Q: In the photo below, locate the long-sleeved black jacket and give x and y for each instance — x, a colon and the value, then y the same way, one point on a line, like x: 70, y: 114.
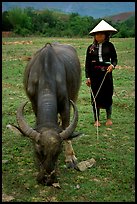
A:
x: 92, y: 56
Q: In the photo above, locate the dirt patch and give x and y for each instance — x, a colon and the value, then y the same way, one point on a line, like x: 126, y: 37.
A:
x: 18, y: 42
x: 7, y: 198
x: 7, y: 85
x: 123, y: 67
x: 7, y: 34
x: 24, y: 58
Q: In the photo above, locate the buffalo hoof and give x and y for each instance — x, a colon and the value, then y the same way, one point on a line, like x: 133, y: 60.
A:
x: 71, y: 164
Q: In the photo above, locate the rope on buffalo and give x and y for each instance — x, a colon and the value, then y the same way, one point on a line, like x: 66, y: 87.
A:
x: 94, y: 97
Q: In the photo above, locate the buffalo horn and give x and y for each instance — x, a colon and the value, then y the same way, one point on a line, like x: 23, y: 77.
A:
x: 65, y: 134
x: 28, y: 131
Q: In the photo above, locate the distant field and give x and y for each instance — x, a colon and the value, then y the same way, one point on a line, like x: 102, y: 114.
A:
x: 112, y: 179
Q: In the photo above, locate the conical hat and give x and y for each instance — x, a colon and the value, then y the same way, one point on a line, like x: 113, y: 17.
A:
x: 103, y: 26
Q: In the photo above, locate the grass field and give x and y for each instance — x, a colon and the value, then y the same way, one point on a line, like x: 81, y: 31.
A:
x: 112, y: 179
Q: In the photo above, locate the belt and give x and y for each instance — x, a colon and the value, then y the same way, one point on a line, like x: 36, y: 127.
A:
x: 102, y: 68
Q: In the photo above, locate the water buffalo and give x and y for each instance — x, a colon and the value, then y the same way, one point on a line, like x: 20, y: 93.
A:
x: 51, y: 80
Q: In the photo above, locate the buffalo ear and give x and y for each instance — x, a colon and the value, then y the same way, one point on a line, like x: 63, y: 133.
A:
x: 74, y: 134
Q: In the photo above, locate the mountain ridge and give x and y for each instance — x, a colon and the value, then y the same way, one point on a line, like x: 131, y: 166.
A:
x: 120, y: 17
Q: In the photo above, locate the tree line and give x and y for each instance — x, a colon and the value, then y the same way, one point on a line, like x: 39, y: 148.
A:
x: 51, y: 23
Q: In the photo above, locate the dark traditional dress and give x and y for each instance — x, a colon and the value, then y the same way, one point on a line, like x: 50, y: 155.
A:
x: 98, y: 58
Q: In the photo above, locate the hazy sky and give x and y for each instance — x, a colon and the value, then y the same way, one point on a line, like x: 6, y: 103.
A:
x: 94, y: 9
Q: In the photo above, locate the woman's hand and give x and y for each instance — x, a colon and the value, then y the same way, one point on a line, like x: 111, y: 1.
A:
x: 88, y: 82
x: 110, y: 68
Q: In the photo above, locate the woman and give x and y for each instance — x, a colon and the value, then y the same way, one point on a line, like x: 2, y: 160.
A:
x: 101, y: 59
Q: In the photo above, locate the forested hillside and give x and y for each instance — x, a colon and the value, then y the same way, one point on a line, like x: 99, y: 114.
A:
x: 26, y: 22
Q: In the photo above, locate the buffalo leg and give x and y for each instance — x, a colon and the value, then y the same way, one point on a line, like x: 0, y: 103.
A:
x: 70, y: 158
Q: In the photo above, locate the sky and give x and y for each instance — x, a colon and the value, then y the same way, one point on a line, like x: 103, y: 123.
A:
x: 94, y: 9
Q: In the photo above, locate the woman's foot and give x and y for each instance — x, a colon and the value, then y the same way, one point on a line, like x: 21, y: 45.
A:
x: 97, y: 124
x: 109, y: 122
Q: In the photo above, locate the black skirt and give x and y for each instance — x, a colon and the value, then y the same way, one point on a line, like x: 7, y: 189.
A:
x: 104, y: 97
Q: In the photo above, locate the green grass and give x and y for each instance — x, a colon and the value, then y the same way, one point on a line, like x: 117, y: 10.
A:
x: 112, y: 178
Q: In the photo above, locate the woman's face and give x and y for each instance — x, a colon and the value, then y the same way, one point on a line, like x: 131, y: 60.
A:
x: 100, y: 37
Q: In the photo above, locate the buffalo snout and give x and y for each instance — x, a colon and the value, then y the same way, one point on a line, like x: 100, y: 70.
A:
x: 47, y: 179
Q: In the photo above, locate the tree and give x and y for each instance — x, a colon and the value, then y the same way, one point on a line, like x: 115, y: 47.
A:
x: 19, y: 20
x: 51, y: 23
x: 6, y: 24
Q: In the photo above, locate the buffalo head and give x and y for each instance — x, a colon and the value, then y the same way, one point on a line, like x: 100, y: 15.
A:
x: 47, y: 143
